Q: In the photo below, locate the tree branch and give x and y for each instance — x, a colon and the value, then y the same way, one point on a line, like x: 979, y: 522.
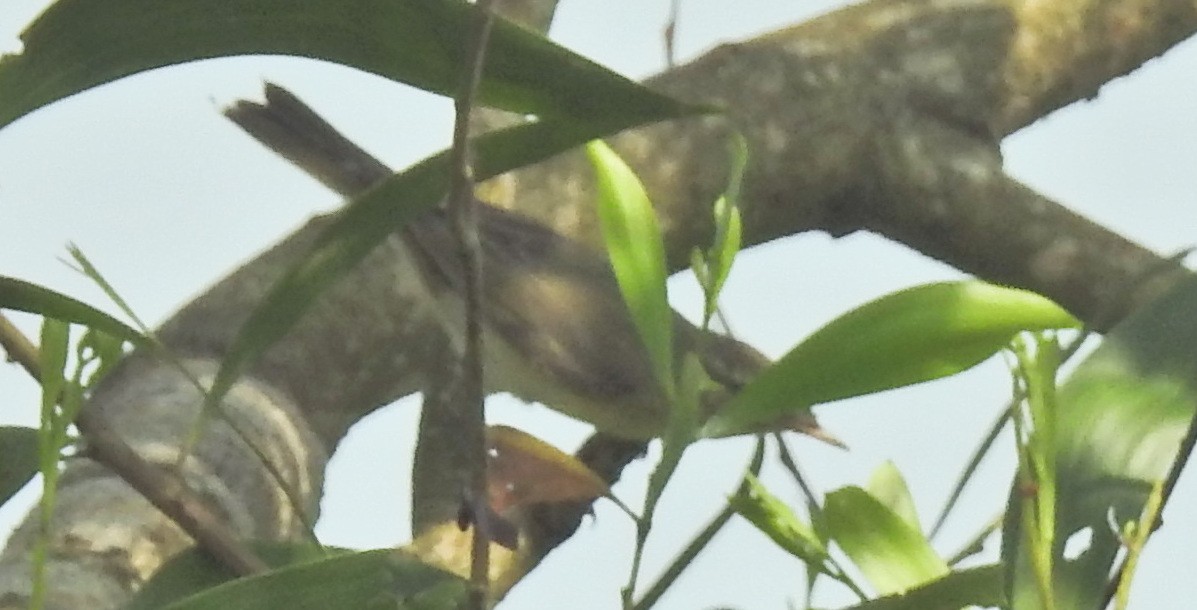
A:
x: 855, y: 120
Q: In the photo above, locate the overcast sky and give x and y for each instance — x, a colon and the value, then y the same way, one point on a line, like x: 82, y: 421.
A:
x: 166, y: 197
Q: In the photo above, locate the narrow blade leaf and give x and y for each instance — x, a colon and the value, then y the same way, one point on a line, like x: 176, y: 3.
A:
x: 907, y: 337
x: 637, y: 251
x: 24, y: 296
x: 372, y: 579
x: 78, y: 44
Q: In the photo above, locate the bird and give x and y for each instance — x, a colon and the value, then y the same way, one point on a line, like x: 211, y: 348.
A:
x: 556, y: 329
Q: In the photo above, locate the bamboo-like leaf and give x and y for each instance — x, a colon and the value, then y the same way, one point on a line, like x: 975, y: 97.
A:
x: 907, y: 337
x: 78, y: 44
x: 637, y: 251
x: 893, y: 555
x: 24, y: 296
x: 372, y: 579
x: 195, y: 570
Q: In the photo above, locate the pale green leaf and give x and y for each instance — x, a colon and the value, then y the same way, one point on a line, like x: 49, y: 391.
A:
x: 633, y: 240
x: 889, y: 487
x: 914, y: 335
x: 892, y: 555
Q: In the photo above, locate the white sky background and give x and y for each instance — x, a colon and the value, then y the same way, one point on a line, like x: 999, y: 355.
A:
x: 166, y: 196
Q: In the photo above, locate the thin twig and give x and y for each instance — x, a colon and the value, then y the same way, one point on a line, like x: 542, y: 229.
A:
x: 461, y: 206
x: 791, y: 465
x: 700, y: 541
x: 19, y: 348
x: 671, y: 34
x: 976, y: 544
x: 166, y: 492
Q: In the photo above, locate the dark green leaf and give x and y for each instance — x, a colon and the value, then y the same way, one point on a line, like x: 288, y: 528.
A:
x: 78, y: 44
x: 194, y: 570
x: 891, y: 554
x: 972, y: 587
x: 907, y: 337
x: 18, y: 459
x: 1122, y: 415
x: 372, y: 579
x: 20, y: 295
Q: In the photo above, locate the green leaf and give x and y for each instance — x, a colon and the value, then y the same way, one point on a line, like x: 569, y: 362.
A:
x: 711, y: 270
x: 78, y: 44
x: 889, y: 487
x: 194, y: 570
x: 728, y: 227
x: 382, y: 578
x: 981, y: 586
x: 18, y: 459
x: 637, y: 251
x: 773, y: 518
x: 20, y: 295
x: 101, y: 352
x: 904, y: 338
x: 93, y: 273
x: 893, y: 555
x: 1121, y: 417
x: 1035, y: 427
x: 53, y: 349
x: 52, y: 360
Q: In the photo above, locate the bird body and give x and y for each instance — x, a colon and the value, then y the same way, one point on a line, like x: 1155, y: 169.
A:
x: 559, y: 333
x: 556, y: 329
